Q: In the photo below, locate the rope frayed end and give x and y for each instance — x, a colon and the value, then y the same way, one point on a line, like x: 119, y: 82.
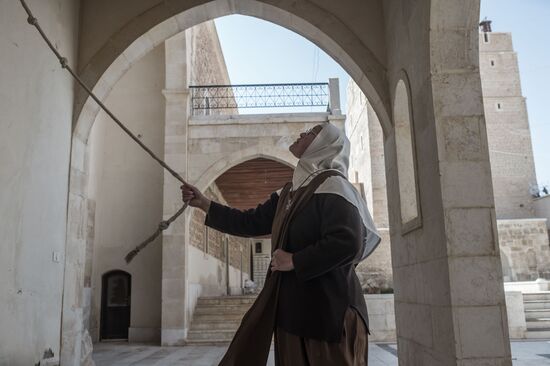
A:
x: 131, y: 255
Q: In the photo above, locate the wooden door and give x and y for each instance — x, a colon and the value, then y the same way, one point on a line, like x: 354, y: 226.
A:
x: 115, y: 305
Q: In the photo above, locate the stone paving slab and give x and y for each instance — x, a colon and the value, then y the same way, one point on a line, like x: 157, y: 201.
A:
x: 524, y: 353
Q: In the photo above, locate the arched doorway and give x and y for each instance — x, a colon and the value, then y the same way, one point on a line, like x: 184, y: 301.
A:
x: 115, y: 304
x: 435, y: 42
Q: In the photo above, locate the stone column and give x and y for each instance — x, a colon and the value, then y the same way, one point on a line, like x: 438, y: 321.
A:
x: 334, y: 96
x: 174, y: 243
x: 449, y: 296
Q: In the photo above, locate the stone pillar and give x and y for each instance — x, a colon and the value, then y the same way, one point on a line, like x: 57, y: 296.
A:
x: 449, y: 297
x: 174, y: 243
x: 334, y: 96
x: 475, y: 288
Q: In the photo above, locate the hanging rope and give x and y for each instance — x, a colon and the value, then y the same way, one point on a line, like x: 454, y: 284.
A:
x: 163, y: 225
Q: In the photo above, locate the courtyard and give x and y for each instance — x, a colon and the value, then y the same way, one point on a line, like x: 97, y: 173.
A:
x: 524, y: 353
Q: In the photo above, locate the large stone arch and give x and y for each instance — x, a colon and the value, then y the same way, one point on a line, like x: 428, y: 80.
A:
x: 444, y: 315
x: 102, y: 69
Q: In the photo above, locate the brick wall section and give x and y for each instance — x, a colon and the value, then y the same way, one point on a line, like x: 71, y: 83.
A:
x: 524, y: 249
x: 197, y: 230
x: 207, y: 62
x: 199, y: 233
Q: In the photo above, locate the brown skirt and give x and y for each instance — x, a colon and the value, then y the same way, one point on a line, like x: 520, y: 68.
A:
x: 292, y: 350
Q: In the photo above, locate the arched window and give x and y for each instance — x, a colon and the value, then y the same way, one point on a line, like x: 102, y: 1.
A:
x: 406, y: 159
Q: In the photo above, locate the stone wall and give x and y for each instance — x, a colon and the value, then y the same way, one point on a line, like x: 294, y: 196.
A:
x: 199, y: 233
x: 524, y: 249
x: 206, y: 61
x: 126, y: 186
x: 208, y: 274
x: 510, y: 149
x: 542, y: 209
x: 382, y: 316
x: 367, y: 167
x: 36, y: 110
x: 508, y: 133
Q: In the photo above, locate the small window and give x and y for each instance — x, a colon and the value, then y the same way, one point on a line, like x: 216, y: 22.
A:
x: 492, y: 62
x: 258, y: 249
x: 499, y: 106
x: 486, y: 37
x: 362, y: 144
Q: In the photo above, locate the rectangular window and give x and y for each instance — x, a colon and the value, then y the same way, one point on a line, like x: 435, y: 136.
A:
x: 499, y: 106
x: 492, y: 62
x: 258, y: 248
x: 486, y: 37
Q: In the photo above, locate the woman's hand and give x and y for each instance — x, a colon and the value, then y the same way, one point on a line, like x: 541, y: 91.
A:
x: 194, y: 197
x: 281, y: 261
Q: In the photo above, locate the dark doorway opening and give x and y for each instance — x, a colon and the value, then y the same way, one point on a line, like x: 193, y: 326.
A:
x: 115, y: 305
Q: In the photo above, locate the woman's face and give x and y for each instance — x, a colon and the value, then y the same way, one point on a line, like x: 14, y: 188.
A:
x: 306, y: 138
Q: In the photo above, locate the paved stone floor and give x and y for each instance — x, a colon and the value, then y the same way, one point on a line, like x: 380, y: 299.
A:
x: 534, y: 353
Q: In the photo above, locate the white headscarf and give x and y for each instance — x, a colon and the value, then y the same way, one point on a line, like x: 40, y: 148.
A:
x: 330, y: 151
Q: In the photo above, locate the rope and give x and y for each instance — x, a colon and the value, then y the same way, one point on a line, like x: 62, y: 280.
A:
x: 163, y: 225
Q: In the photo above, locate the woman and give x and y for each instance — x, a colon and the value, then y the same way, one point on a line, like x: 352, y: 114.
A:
x: 321, y: 229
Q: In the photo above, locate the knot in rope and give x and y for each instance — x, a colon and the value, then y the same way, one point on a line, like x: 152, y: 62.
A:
x: 164, y: 225
x: 32, y: 20
x: 63, y: 61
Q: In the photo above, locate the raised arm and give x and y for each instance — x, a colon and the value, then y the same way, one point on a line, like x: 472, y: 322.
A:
x: 249, y: 223
x: 253, y: 222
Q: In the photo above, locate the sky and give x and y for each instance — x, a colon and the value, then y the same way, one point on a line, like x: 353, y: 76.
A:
x: 259, y: 52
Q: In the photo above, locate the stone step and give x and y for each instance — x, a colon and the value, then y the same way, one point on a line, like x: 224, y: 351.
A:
x: 536, y: 304
x: 543, y: 295
x: 226, y: 300
x: 538, y: 323
x: 219, y: 324
x: 536, y: 314
x: 210, y: 310
x: 211, y: 342
x: 540, y: 333
x: 199, y: 318
x: 209, y: 335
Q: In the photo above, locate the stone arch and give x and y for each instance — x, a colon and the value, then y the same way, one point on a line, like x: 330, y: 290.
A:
x: 222, y: 165
x: 134, y: 39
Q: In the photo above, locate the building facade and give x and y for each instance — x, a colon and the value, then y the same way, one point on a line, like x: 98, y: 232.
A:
x: 424, y: 52
x: 523, y: 239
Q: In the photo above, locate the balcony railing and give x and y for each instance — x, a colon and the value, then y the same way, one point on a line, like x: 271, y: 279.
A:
x: 208, y: 97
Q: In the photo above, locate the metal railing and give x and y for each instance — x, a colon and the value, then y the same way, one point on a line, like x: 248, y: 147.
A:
x: 208, y: 97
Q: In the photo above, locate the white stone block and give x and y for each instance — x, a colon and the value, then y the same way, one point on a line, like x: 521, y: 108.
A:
x: 516, y: 314
x: 476, y: 281
x: 139, y: 48
x: 161, y: 32
x: 173, y: 336
x: 480, y: 332
x: 470, y: 232
x: 458, y: 180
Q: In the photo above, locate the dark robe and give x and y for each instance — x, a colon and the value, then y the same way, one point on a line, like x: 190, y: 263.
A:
x: 325, y: 234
